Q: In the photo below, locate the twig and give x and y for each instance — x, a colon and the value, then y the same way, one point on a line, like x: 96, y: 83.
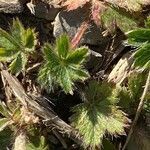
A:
x: 139, y: 109
x: 34, y: 67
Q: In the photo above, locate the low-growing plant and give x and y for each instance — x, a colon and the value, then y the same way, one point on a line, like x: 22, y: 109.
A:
x: 17, y: 45
x: 63, y: 65
x: 22, y: 123
x: 99, y: 114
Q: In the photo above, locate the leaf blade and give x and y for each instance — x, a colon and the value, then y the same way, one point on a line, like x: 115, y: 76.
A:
x: 78, y: 56
x: 63, y: 45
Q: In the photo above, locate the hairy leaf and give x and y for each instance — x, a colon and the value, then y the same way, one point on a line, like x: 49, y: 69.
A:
x: 7, y: 55
x: 142, y: 56
x: 141, y: 38
x: 8, y: 39
x: 62, y: 67
x: 18, y: 63
x: 17, y: 29
x: 130, y: 94
x: 138, y: 36
x: 136, y: 81
x: 98, y: 114
x: 63, y: 46
x: 76, y: 57
x: 17, y: 45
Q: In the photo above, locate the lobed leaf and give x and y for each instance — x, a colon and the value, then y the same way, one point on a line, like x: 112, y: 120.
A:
x: 26, y: 37
x: 62, y: 67
x: 98, y: 115
x: 17, y: 45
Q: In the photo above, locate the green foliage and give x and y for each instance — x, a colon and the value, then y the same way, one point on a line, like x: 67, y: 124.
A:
x: 141, y: 38
x: 5, y: 121
x: 138, y: 36
x: 130, y: 94
x: 13, y: 115
x: 142, y: 56
x: 111, y: 15
x: 5, y: 138
x: 98, y: 114
x: 62, y: 66
x: 16, y: 46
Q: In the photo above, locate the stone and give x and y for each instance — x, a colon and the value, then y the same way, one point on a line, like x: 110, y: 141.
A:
x: 69, y: 22
x: 45, y: 10
x: 11, y: 6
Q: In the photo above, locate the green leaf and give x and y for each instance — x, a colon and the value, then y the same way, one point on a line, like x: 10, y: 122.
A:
x: 65, y: 81
x: 112, y: 15
x: 7, y: 44
x: 7, y: 38
x: 136, y: 81
x: 62, y: 46
x: 76, y: 57
x: 17, y: 45
x: 138, y: 36
x: 5, y: 138
x: 7, y: 55
x: 50, y: 55
x: 130, y: 94
x: 29, y: 39
x: 4, y: 122
x: 25, y: 36
x: 17, y: 29
x: 18, y: 63
x: 78, y: 74
x: 58, y: 71
x: 98, y: 114
x: 142, y: 56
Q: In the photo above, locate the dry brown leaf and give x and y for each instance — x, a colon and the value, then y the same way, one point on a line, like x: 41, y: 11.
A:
x: 74, y: 4
x: 122, y: 69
